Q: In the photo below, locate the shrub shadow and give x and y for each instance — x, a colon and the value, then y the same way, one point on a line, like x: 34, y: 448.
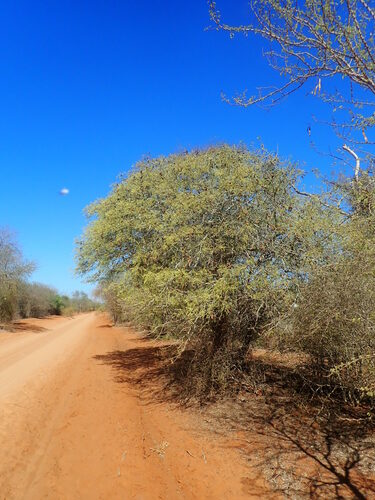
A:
x: 22, y: 326
x: 302, y: 450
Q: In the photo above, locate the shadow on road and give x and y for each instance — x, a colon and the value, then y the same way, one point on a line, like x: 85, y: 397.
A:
x: 22, y: 326
x: 302, y: 452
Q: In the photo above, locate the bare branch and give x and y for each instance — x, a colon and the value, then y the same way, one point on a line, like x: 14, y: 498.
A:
x: 313, y: 41
x: 357, y: 160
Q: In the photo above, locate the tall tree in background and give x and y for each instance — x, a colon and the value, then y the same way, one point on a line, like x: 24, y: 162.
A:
x: 314, y: 41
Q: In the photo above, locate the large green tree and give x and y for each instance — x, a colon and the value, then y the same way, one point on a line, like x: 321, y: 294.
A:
x: 213, y: 242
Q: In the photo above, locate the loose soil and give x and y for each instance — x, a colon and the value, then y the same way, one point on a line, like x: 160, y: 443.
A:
x: 74, y: 424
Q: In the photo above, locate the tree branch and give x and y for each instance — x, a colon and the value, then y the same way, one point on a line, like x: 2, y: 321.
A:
x: 357, y: 160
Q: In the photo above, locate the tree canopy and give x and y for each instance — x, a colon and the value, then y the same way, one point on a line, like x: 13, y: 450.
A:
x: 214, y: 241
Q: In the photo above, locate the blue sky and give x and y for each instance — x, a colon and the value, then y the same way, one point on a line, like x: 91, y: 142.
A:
x: 87, y: 88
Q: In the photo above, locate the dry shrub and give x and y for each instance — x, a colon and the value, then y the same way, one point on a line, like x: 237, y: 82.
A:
x: 205, y: 374
x: 335, y: 325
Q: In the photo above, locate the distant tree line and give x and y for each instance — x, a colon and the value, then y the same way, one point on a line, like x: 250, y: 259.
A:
x: 20, y: 298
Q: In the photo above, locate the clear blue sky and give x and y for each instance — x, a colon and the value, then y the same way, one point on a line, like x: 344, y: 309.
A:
x: 89, y: 87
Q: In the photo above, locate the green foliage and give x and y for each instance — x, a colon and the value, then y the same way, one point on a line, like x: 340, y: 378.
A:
x: 313, y: 42
x: 57, y: 305
x: 19, y: 298
x: 209, y: 247
x: 68, y: 306
x: 335, y: 321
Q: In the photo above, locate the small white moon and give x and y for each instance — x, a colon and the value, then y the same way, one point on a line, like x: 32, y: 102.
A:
x: 64, y: 191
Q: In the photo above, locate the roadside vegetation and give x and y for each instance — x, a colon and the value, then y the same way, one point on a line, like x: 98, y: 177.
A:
x: 20, y: 298
x: 219, y: 250
x: 224, y: 252
x: 327, y: 48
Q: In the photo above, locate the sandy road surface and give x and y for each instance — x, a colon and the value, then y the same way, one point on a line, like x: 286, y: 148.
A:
x: 70, y: 430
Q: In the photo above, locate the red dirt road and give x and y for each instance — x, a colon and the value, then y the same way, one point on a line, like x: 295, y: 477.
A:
x: 69, y: 430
